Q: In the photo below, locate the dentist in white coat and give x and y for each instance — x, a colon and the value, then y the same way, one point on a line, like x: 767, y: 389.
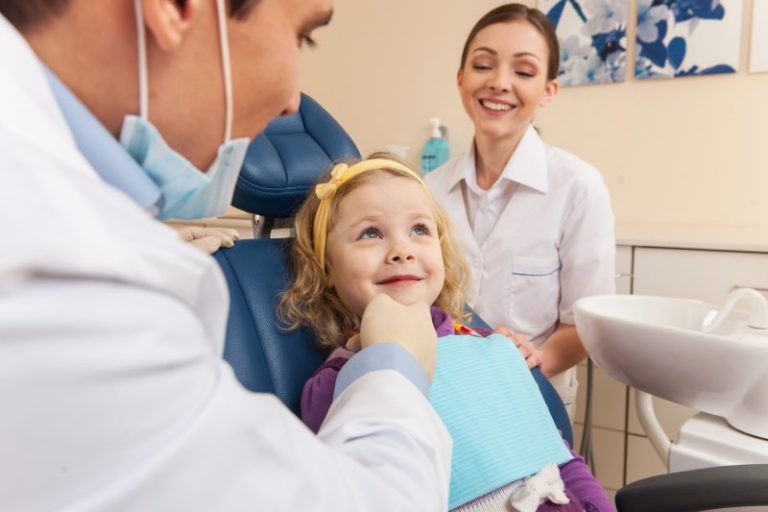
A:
x: 113, y: 393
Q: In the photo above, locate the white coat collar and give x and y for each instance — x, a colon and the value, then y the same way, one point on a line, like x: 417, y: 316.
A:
x: 527, y: 165
x: 36, y: 115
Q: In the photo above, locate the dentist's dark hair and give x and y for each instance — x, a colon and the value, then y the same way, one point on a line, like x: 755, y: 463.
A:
x: 518, y: 12
x: 29, y: 14
x: 26, y: 14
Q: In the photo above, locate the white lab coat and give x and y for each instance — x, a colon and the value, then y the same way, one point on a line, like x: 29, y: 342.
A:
x: 113, y: 393
x: 552, y: 244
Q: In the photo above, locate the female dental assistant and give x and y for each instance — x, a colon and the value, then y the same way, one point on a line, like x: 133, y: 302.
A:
x: 113, y: 393
x: 534, y: 221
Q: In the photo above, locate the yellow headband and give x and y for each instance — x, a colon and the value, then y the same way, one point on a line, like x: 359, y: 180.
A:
x: 325, y: 192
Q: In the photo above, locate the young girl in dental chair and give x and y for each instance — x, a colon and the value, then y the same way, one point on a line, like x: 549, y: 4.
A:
x: 374, y: 228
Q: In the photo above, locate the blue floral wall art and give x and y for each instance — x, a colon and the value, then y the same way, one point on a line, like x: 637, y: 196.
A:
x: 678, y: 38
x: 758, y: 54
x: 592, y: 35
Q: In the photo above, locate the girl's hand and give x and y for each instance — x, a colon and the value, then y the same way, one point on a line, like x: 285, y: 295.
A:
x: 533, y: 355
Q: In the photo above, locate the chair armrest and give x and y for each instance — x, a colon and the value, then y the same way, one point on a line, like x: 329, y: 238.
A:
x: 699, y: 489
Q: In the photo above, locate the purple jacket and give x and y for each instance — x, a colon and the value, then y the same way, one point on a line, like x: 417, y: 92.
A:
x: 317, y: 396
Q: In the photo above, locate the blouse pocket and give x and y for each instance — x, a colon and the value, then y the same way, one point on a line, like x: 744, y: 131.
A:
x: 533, y: 294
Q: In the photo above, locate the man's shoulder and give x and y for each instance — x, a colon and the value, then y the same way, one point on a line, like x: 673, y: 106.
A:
x: 59, y: 218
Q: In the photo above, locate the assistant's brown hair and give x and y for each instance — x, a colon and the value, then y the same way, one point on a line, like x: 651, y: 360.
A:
x: 518, y: 12
x: 309, y: 302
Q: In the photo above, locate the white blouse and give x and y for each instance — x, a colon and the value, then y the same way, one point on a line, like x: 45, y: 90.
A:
x: 540, y: 239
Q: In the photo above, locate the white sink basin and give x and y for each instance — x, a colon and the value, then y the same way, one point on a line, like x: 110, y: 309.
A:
x: 658, y: 345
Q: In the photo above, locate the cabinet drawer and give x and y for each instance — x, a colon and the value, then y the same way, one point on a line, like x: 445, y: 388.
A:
x: 694, y: 274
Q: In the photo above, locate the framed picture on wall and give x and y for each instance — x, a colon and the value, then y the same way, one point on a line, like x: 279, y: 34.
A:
x: 758, y: 53
x: 592, y: 35
x: 677, y: 38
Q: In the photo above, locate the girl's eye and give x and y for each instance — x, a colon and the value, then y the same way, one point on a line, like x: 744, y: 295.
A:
x: 420, y: 230
x: 526, y: 74
x: 370, y: 233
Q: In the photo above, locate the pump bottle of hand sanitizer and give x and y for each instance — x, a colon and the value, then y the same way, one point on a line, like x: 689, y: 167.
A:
x: 436, y: 151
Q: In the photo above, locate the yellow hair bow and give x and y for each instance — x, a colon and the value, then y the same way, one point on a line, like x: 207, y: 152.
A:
x: 329, y: 188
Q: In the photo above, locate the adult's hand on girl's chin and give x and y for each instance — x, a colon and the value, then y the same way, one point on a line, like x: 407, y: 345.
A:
x: 532, y: 354
x: 387, y: 321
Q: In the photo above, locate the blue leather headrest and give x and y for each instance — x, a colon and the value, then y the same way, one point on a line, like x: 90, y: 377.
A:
x: 287, y: 159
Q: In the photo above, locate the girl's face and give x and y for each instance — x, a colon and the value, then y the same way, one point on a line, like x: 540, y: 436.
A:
x: 385, y: 240
x: 504, y: 79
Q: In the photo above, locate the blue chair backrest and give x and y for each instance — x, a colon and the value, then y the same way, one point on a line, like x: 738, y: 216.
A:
x: 287, y: 159
x: 265, y: 357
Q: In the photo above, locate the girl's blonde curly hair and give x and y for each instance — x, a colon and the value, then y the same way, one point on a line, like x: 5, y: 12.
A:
x: 309, y: 302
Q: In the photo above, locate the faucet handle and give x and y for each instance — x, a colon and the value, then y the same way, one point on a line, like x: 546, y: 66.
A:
x: 758, y: 317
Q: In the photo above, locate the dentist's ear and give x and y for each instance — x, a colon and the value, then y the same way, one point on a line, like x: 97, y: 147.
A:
x: 169, y: 20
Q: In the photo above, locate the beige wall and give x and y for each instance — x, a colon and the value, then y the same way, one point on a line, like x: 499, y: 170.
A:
x: 691, y: 150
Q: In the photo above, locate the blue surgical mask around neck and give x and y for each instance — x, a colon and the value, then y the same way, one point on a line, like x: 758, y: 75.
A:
x: 188, y: 193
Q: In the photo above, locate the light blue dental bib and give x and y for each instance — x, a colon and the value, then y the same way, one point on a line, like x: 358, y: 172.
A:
x: 502, y: 430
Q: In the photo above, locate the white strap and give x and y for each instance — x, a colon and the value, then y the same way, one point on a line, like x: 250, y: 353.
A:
x: 143, y: 80
x: 226, y: 68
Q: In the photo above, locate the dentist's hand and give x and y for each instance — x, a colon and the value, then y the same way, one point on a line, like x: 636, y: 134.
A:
x: 532, y: 354
x: 388, y: 321
x: 209, y: 240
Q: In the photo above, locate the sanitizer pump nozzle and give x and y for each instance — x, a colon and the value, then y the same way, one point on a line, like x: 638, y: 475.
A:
x: 436, y: 128
x: 436, y: 151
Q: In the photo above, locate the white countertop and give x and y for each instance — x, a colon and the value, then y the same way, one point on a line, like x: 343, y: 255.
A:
x: 693, y: 236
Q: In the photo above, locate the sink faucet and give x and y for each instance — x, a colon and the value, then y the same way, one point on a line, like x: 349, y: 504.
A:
x: 758, y: 318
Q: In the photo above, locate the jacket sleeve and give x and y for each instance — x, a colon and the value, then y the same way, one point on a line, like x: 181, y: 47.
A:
x: 588, y: 247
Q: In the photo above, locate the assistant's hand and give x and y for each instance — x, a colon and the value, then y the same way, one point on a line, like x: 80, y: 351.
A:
x: 388, y: 321
x: 209, y: 240
x: 533, y: 355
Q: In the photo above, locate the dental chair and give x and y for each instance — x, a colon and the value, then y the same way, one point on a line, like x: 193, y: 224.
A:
x: 280, y: 168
